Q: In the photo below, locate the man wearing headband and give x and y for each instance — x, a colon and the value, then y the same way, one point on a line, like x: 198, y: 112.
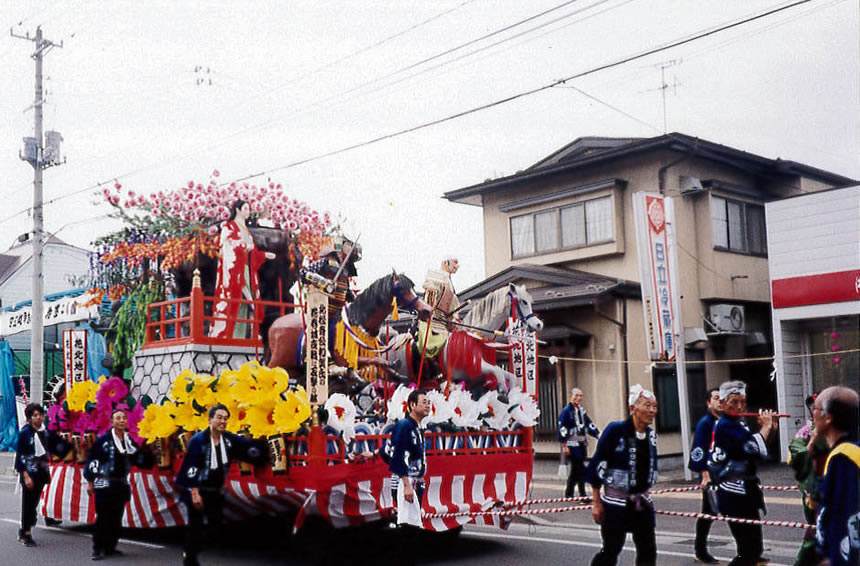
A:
x: 699, y: 463
x: 31, y: 463
x: 625, y: 464
x: 202, y: 474
x: 573, y: 424
x: 735, y: 453
x: 108, y: 464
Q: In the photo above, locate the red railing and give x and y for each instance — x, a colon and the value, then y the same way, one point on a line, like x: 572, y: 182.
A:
x: 461, y: 444
x: 189, y: 320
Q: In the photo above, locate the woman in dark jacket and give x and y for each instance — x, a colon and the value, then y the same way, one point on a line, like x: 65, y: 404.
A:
x: 35, y: 442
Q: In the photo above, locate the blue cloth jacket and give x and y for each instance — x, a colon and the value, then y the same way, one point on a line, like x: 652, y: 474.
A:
x: 107, y: 467
x: 25, y: 456
x: 613, y: 465
x: 405, y: 452
x: 733, y: 461
x: 194, y: 471
x: 573, y: 425
x: 702, y: 443
x: 838, y: 525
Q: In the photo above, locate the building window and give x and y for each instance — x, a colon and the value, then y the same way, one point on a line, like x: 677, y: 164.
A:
x: 582, y: 224
x: 738, y: 226
x: 668, y: 407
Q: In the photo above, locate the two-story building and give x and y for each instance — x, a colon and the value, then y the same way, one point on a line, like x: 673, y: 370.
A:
x: 564, y: 227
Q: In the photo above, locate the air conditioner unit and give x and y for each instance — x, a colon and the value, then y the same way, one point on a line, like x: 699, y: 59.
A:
x: 727, y: 318
x: 690, y: 185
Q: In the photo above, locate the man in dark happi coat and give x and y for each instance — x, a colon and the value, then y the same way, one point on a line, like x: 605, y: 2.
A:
x: 625, y: 465
x: 407, y: 461
x: 733, y: 465
x: 699, y: 463
x: 108, y: 465
x: 573, y: 425
x: 35, y: 442
x: 835, y: 412
x: 203, y: 472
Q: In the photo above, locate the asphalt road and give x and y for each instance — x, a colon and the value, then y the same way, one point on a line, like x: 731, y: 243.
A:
x: 569, y: 538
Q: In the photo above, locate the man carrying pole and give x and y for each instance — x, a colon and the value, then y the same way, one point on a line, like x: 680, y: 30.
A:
x: 735, y: 453
x: 699, y: 463
x: 625, y: 464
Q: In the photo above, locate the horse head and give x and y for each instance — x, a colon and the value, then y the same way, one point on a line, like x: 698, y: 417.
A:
x: 404, y: 291
x: 524, y: 302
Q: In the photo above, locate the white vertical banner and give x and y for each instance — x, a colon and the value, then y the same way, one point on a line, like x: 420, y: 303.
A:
x: 75, y: 356
x: 657, y: 244
x: 316, y: 346
x: 523, y: 356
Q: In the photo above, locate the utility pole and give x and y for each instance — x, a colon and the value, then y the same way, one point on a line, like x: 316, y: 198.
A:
x: 35, y: 153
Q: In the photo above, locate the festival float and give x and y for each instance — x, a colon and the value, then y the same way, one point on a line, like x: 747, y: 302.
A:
x: 321, y: 376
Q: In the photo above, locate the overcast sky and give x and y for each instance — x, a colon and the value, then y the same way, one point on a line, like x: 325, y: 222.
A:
x: 293, y: 80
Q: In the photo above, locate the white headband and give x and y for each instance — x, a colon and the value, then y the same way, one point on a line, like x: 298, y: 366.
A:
x: 638, y: 392
x: 731, y: 387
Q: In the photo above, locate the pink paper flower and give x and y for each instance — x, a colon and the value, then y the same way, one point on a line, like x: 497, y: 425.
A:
x: 111, y: 391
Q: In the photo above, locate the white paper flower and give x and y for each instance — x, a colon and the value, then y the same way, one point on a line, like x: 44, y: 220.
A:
x: 493, y: 412
x: 441, y: 410
x: 341, y: 415
x: 523, y: 408
x: 397, y: 407
x: 464, y: 408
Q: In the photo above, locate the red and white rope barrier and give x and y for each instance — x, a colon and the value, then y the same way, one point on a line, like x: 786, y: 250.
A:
x: 506, y: 513
x: 792, y: 524
x: 652, y: 492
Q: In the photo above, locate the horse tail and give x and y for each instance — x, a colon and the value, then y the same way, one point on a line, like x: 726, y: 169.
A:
x: 265, y: 325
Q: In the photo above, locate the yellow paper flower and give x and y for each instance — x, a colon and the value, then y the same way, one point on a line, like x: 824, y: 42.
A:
x: 260, y: 419
x: 79, y: 393
x: 156, y: 423
x: 179, y: 390
x: 289, y: 414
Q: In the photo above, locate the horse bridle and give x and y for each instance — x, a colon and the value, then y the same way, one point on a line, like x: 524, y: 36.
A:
x: 516, y: 303
x: 398, y: 294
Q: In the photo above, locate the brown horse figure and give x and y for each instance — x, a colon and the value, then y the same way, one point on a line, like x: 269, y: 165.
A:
x: 283, y: 339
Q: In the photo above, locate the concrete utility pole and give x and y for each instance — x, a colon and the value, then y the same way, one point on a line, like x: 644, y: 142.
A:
x: 34, y: 153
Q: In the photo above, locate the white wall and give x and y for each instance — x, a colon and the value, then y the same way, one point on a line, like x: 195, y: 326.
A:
x: 58, y: 262
x: 812, y: 234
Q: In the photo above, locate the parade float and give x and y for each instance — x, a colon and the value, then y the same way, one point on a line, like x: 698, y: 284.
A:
x: 337, y: 383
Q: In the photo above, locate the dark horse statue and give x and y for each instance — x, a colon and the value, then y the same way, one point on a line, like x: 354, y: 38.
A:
x: 283, y: 337
x: 277, y: 275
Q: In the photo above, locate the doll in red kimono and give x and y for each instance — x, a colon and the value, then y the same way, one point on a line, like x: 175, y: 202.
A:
x: 237, y: 275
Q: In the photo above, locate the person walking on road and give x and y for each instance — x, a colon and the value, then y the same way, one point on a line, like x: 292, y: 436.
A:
x: 734, y: 457
x: 835, y: 412
x: 108, y: 465
x: 203, y: 472
x: 573, y: 425
x: 35, y: 442
x: 699, y: 463
x: 625, y: 465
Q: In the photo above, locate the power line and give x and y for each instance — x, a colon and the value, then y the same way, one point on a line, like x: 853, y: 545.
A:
x: 620, y: 111
x: 499, y: 102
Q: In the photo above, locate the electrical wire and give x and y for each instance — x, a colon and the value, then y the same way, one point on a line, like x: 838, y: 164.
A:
x: 523, y: 94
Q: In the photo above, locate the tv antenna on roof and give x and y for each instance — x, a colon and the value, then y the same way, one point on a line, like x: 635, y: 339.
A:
x: 664, y: 86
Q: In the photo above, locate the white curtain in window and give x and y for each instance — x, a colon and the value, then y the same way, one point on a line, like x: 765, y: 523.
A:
x: 720, y: 222
x: 736, y: 226
x: 598, y: 219
x: 573, y: 226
x: 546, y: 230
x: 522, y: 235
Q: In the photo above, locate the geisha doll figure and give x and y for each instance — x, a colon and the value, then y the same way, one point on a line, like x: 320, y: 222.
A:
x: 237, y: 276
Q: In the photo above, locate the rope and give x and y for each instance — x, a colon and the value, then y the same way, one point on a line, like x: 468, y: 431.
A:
x: 653, y: 492
x: 791, y: 524
x: 694, y: 362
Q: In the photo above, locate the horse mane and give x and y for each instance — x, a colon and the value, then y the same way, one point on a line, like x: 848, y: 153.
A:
x: 377, y: 295
x: 488, y: 308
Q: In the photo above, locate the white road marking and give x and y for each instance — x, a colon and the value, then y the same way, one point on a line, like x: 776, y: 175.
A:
x: 591, y: 544
x: 85, y: 535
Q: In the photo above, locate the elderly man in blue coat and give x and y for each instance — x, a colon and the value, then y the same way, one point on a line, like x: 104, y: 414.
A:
x: 625, y: 466
x: 573, y: 426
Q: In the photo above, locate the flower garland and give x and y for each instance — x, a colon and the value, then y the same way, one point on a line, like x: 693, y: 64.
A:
x: 88, y: 406
x: 259, y: 399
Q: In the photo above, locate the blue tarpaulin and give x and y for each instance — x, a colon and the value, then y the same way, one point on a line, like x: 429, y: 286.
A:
x: 8, y: 416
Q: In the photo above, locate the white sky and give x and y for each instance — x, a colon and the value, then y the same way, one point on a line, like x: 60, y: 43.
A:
x: 291, y: 80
